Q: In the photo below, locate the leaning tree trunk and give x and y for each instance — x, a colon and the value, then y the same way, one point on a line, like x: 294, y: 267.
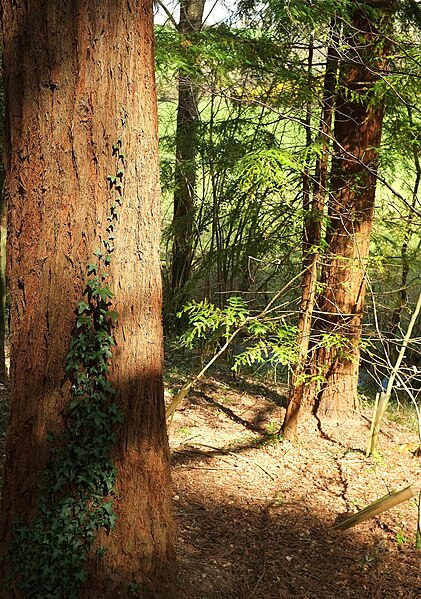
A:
x: 336, y: 332
x: 191, y: 16
x: 80, y: 95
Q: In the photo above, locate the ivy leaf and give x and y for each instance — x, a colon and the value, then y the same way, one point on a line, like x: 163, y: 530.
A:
x: 83, y: 307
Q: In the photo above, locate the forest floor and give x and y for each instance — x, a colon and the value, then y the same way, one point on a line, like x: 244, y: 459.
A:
x: 254, y: 515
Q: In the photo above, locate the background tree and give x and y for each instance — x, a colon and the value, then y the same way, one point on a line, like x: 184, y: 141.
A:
x: 246, y: 180
x: 80, y: 99
x: 277, y: 196
x: 191, y: 16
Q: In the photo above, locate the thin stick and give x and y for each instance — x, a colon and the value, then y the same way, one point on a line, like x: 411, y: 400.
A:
x: 384, y: 397
x: 178, y: 398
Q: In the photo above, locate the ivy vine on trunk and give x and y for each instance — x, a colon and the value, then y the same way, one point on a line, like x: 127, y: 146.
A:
x: 48, y: 557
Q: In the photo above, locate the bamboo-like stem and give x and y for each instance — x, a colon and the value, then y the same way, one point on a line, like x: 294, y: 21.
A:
x: 380, y: 505
x: 178, y: 398
x: 384, y: 397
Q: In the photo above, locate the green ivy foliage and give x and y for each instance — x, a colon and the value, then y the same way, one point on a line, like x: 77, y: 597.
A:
x: 48, y: 557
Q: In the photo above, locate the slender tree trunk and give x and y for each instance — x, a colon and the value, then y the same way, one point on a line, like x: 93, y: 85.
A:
x: 191, y: 16
x: 312, y: 231
x: 74, y: 72
x: 306, y: 173
x: 357, y: 132
x: 408, y: 231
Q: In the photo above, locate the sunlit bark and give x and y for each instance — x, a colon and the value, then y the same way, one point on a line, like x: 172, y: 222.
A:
x: 74, y: 70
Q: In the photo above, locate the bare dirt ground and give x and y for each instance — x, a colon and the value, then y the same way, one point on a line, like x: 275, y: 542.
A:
x: 254, y: 515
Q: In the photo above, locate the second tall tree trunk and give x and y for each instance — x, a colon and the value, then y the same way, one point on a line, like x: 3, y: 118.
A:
x: 331, y: 372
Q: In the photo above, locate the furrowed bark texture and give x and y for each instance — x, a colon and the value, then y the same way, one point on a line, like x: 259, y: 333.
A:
x: 357, y: 135
x: 73, y: 68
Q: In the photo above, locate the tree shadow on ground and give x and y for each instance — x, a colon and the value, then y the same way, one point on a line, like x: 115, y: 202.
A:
x: 240, y: 550
x: 256, y: 425
x: 271, y: 401
x: 269, y: 391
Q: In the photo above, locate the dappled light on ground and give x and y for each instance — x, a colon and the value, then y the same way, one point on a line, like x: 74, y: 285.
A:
x: 254, y: 515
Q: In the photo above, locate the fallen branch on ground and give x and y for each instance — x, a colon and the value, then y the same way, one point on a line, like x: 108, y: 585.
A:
x: 380, y: 505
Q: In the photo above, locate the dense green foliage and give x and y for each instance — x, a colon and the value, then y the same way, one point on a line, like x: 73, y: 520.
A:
x: 265, y: 339
x: 260, y: 101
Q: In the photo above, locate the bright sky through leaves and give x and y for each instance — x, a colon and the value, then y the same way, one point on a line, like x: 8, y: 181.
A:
x: 215, y: 11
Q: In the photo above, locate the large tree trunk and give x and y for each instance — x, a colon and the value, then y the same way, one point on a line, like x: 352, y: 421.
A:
x: 3, y: 283
x: 79, y: 76
x: 191, y: 16
x: 357, y: 134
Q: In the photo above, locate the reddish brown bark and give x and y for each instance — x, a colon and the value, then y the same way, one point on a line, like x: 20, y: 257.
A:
x: 357, y: 134
x: 72, y: 71
x: 312, y: 235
